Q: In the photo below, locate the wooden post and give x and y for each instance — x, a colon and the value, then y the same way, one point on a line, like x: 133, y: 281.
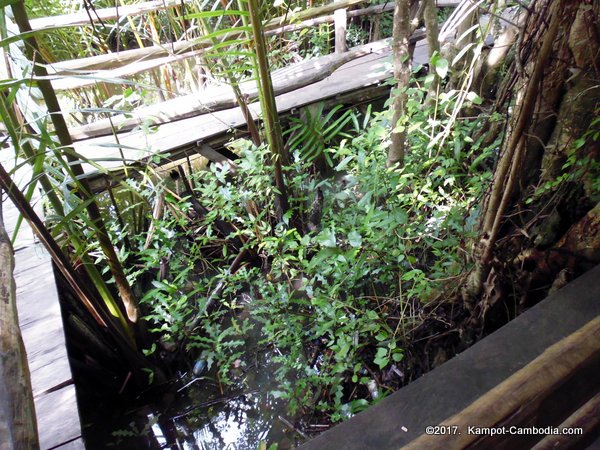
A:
x: 18, y: 426
x: 339, y: 20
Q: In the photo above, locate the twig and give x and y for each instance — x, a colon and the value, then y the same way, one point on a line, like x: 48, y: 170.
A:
x: 215, y: 401
x: 291, y: 426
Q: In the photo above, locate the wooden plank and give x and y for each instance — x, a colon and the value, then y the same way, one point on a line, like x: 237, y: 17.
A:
x: 104, y: 14
x: 58, y: 420
x: 427, y: 401
x: 222, y: 97
x: 113, y: 60
x: 40, y: 321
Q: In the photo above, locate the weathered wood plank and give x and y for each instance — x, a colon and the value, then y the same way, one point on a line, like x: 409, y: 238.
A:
x: 41, y: 325
x: 218, y: 98
x: 58, y: 420
x: 18, y: 427
x: 82, y: 17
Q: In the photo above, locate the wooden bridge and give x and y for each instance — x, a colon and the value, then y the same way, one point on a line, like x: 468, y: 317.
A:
x: 41, y: 325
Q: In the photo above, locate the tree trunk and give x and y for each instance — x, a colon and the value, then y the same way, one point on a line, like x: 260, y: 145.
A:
x: 402, y: 68
x: 18, y: 427
x: 552, y: 225
x: 431, y: 27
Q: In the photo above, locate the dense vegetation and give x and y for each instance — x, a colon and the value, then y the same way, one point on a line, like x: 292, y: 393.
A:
x: 358, y: 268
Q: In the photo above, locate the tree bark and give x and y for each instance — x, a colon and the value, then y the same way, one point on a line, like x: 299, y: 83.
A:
x: 510, y: 166
x: 433, y: 42
x: 402, y: 68
x: 18, y: 425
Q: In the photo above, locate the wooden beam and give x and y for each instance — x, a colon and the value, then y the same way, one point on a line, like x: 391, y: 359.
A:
x: 340, y: 20
x: 82, y: 17
x: 518, y: 395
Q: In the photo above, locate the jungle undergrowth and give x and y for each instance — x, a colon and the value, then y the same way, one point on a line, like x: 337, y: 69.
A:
x: 337, y: 302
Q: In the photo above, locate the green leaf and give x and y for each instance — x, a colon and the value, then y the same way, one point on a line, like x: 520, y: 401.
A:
x: 354, y: 238
x: 327, y: 238
x: 441, y: 67
x: 381, y: 358
x: 473, y: 97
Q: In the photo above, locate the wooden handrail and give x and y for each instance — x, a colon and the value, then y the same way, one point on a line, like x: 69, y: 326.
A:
x: 518, y: 395
x: 82, y: 18
x: 131, y: 62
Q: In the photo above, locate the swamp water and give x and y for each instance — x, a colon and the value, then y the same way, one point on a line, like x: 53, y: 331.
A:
x: 198, y: 413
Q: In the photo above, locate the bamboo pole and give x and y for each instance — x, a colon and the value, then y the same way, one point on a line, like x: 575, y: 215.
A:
x: 269, y: 107
x: 62, y: 132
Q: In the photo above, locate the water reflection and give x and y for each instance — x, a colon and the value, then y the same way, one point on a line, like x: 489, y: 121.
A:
x: 239, y: 420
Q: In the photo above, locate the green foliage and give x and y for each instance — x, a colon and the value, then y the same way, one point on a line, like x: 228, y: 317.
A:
x: 356, y: 35
x: 338, y: 302
x: 311, y: 134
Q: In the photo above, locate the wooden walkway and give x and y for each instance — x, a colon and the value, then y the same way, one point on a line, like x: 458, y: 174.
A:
x: 402, y: 417
x: 42, y: 329
x: 187, y: 136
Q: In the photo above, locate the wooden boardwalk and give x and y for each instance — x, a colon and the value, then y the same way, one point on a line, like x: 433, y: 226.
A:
x: 42, y: 329
x: 181, y: 137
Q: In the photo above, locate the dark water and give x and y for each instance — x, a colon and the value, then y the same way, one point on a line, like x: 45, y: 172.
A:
x: 240, y: 418
x: 196, y: 412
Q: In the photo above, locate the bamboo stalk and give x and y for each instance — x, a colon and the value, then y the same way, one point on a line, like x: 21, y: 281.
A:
x: 268, y: 106
x: 62, y: 132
